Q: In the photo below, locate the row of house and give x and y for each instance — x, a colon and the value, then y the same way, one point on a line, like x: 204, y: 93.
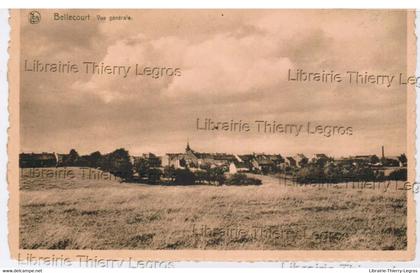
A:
x: 261, y: 162
x: 255, y: 162
x: 235, y: 163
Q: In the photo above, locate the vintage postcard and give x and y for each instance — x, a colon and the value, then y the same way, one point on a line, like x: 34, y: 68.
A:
x: 211, y: 135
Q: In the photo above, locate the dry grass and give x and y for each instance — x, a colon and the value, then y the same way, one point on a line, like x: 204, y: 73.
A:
x: 101, y: 214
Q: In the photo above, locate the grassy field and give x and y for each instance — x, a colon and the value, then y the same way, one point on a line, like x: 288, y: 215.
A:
x: 83, y: 213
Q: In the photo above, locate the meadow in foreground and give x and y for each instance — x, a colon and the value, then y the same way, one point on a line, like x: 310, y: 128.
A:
x: 77, y: 213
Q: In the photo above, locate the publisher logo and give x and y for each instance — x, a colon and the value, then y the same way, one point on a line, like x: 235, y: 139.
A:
x: 34, y: 17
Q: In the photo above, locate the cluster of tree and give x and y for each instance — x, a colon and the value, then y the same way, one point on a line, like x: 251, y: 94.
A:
x: 399, y: 174
x: 314, y: 173
x: 147, y: 171
x: 182, y: 177
x: 71, y: 160
x: 212, y: 176
x: 117, y: 163
x: 185, y: 176
x: 153, y: 175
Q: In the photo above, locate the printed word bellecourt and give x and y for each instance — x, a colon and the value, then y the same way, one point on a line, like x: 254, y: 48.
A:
x: 274, y: 127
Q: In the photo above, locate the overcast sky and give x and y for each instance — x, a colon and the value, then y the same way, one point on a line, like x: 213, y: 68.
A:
x: 234, y: 65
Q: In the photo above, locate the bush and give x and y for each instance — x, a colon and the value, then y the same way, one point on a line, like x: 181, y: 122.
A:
x: 399, y: 174
x: 169, y: 173
x: 118, y: 163
x: 242, y: 180
x: 201, y: 176
x: 364, y: 173
x: 184, y: 177
x: 153, y: 175
x: 310, y: 174
x: 216, y: 175
x: 143, y: 167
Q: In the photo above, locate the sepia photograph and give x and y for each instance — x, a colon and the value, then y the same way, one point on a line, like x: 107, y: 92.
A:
x: 213, y: 134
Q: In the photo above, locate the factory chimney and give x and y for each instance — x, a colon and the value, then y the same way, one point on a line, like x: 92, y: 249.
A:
x: 383, y: 152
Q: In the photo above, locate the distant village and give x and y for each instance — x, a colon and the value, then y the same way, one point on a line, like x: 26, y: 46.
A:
x: 270, y: 163
x: 259, y: 163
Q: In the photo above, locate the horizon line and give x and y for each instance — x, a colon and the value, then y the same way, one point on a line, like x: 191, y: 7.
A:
x: 217, y: 152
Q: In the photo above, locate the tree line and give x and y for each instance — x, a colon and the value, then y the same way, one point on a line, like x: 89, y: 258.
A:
x: 321, y: 172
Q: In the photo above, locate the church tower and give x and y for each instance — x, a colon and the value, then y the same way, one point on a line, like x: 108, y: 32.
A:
x: 188, y: 146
